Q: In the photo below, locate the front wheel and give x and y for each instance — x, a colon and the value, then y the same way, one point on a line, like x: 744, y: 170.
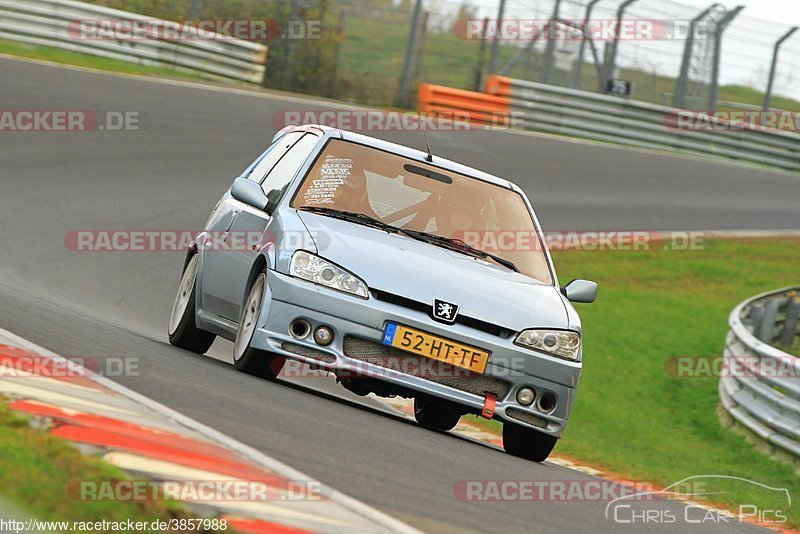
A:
x: 527, y: 443
x: 183, y: 331
x: 435, y: 414
x: 246, y: 358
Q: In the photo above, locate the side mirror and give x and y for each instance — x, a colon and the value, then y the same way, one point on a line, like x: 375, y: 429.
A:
x: 580, y: 291
x: 249, y: 192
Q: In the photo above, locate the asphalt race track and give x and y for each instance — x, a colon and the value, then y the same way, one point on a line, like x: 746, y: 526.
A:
x: 192, y: 142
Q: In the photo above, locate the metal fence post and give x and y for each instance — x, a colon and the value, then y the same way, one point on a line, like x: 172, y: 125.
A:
x: 524, y: 51
x: 766, y: 327
x: 289, y: 50
x: 478, y: 80
x: 550, y: 46
x: 679, y: 99
x: 721, y: 25
x: 402, y: 89
x: 423, y: 32
x: 774, y: 64
x: 337, y: 54
x: 790, y: 323
x: 194, y: 10
x: 496, y: 41
x: 612, y: 56
x: 576, y: 74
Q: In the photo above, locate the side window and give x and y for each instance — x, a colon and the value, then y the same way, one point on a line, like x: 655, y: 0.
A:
x: 282, y: 173
x: 272, y: 156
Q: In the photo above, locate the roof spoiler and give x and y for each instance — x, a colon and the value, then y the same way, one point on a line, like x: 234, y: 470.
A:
x: 303, y: 127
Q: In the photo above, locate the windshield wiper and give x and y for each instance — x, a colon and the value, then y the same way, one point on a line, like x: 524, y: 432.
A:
x: 433, y: 239
x: 353, y: 217
x: 459, y: 246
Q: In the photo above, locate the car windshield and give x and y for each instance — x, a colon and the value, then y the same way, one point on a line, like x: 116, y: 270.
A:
x: 418, y: 197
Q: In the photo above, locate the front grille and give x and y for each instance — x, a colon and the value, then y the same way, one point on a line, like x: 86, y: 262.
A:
x: 471, y: 322
x: 421, y: 367
x: 308, y: 352
x: 526, y: 417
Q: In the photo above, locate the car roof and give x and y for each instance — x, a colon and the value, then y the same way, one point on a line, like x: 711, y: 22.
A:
x: 402, y: 150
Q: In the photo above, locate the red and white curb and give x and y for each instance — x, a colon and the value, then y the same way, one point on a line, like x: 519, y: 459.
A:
x: 153, y: 442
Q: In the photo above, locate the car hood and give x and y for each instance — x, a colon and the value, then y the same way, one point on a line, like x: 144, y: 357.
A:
x: 403, y: 266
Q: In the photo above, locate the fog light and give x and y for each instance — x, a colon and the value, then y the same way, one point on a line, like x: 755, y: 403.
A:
x: 525, y: 396
x: 323, y: 335
x: 299, y: 328
x: 547, y: 403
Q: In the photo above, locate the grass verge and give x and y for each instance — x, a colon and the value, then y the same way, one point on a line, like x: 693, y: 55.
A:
x: 630, y: 415
x: 56, y: 55
x: 37, y: 471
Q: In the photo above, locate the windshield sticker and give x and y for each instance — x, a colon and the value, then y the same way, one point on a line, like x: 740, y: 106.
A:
x: 332, y: 174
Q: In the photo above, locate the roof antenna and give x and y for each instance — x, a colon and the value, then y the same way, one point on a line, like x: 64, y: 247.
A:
x: 429, y: 157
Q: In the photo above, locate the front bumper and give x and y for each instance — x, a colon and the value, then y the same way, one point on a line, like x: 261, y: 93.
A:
x: 356, y: 350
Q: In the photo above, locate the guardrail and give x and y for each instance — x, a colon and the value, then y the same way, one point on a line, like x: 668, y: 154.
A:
x: 461, y: 104
x: 621, y: 120
x: 760, y: 388
x: 551, y: 109
x: 57, y: 23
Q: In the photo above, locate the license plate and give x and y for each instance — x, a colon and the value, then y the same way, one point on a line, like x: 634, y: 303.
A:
x: 435, y: 347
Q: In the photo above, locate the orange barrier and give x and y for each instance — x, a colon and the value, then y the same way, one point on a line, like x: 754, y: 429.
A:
x: 462, y: 105
x: 498, y: 85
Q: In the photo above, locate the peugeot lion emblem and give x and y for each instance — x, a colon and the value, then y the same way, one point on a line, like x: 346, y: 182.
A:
x: 444, y: 312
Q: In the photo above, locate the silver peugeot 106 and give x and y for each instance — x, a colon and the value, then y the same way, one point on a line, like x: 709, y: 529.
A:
x: 400, y: 272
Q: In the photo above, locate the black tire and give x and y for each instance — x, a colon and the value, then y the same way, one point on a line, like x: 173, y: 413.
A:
x: 245, y: 358
x: 182, y: 329
x: 527, y: 443
x: 435, y: 414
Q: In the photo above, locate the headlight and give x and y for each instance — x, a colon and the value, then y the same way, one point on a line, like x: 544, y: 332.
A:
x: 564, y: 344
x: 315, y: 269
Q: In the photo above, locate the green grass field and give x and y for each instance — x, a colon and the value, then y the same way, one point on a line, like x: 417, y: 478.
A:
x: 630, y: 415
x: 56, y: 55
x: 40, y: 474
